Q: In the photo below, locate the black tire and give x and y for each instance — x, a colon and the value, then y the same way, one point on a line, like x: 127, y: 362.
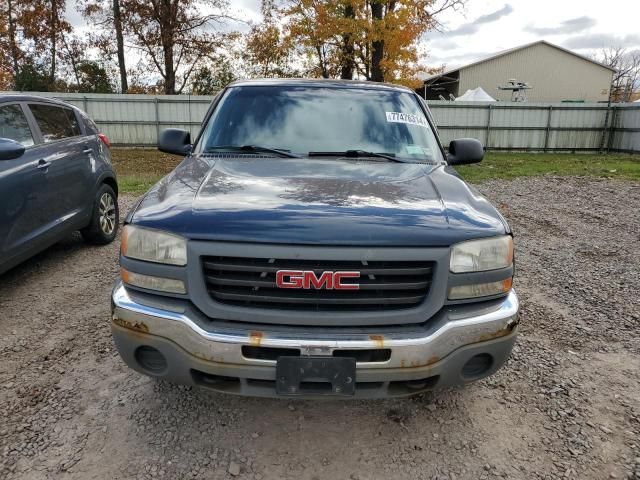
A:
x: 105, y: 218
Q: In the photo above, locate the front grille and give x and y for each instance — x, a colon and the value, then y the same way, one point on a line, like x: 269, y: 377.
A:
x: 251, y: 282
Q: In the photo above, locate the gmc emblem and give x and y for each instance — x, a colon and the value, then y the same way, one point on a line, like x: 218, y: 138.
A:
x: 307, y: 279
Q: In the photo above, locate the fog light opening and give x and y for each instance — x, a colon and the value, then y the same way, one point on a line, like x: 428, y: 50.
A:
x: 477, y: 366
x: 151, y: 359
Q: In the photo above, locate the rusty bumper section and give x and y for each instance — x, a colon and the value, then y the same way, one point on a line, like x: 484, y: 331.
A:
x: 198, y: 351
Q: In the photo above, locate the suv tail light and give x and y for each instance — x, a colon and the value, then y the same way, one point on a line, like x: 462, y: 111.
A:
x: 104, y: 139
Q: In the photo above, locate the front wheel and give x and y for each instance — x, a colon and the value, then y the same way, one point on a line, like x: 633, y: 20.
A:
x: 105, y: 217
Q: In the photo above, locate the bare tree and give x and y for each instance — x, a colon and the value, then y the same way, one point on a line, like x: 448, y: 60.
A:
x: 177, y: 36
x: 107, y: 18
x: 626, y: 78
x: 117, y: 23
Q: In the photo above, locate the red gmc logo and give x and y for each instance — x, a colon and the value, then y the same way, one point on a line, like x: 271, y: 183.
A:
x: 307, y: 279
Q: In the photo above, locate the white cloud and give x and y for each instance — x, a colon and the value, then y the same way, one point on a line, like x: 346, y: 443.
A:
x: 572, y: 25
x: 601, y: 40
x: 576, y: 24
x: 474, y: 26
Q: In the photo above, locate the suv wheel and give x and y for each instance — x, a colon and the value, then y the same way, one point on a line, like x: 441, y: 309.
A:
x: 105, y: 218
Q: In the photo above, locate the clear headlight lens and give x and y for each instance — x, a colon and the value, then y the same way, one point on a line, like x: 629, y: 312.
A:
x: 482, y: 255
x: 153, y: 246
x: 480, y: 289
x: 169, y: 285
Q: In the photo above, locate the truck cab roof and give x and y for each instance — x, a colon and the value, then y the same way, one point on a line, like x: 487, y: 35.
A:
x: 319, y: 82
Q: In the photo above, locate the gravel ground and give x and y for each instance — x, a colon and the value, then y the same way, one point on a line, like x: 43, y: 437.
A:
x: 567, y: 405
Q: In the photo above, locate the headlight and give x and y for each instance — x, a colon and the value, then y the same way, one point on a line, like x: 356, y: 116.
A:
x: 153, y: 246
x: 482, y: 255
x: 170, y: 285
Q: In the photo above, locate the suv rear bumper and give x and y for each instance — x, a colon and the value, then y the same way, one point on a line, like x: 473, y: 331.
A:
x: 195, y: 350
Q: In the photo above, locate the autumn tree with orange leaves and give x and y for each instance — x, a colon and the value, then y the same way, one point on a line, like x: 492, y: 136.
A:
x: 171, y: 46
x: 372, y: 39
x: 267, y: 52
x: 32, y: 31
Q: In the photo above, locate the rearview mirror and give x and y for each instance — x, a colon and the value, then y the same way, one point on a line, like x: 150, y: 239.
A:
x: 10, y: 149
x: 464, y: 151
x: 176, y: 141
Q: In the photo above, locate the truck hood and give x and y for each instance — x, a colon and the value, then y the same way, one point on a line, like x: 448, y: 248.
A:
x: 317, y: 201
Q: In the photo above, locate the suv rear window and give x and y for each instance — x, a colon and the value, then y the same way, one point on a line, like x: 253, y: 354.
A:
x: 90, y: 126
x: 55, y: 123
x: 14, y: 125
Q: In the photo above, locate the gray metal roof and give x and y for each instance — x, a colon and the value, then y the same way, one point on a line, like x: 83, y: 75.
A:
x: 515, y: 49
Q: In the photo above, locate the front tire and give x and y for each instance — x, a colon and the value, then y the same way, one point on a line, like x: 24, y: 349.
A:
x: 105, y: 218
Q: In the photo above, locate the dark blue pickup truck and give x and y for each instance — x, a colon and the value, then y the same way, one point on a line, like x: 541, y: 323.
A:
x: 316, y: 242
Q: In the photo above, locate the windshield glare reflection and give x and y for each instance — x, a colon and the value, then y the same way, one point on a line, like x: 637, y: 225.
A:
x: 304, y: 119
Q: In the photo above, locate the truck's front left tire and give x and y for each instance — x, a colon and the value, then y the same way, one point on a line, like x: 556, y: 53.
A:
x: 105, y: 218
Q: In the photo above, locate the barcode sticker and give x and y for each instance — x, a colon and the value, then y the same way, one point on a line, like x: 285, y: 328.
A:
x: 410, y: 118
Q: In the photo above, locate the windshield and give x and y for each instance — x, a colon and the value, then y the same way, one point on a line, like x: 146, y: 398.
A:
x: 303, y: 119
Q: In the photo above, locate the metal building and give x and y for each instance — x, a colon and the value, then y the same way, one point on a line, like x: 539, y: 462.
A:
x: 554, y: 74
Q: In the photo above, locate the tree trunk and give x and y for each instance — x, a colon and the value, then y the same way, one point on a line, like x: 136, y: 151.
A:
x: 72, y: 59
x: 321, y: 63
x: 12, y: 40
x: 348, y: 60
x: 166, y: 38
x: 377, y: 46
x: 117, y: 23
x: 170, y: 75
x: 53, y: 38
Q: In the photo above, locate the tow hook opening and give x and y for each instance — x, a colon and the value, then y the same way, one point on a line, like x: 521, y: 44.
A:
x: 413, y: 386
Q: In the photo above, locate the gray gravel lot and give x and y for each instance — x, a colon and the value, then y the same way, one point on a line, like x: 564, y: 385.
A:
x: 567, y: 405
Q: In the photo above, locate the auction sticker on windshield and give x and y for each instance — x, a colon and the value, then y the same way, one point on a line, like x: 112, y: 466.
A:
x: 397, y: 117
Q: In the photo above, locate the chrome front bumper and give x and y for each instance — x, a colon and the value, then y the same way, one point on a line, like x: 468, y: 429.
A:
x: 192, y: 343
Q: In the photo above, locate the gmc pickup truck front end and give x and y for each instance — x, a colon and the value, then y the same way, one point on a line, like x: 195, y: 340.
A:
x: 316, y: 242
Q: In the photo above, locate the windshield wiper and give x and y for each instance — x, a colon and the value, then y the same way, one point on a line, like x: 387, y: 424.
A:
x: 252, y: 149
x: 358, y: 154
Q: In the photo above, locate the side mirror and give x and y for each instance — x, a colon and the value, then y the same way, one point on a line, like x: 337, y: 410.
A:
x: 464, y: 151
x: 10, y: 149
x: 176, y: 141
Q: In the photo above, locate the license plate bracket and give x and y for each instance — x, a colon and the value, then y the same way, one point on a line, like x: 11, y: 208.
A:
x: 330, y: 376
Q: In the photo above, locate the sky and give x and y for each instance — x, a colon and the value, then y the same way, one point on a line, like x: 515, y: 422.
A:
x: 489, y: 26
x: 485, y: 27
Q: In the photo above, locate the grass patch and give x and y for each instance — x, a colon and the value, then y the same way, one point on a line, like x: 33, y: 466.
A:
x: 505, y: 165
x: 139, y: 168
x: 137, y: 184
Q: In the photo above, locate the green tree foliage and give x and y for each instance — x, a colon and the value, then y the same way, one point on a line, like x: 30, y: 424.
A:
x: 210, y: 79
x: 93, y: 78
x: 33, y: 77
